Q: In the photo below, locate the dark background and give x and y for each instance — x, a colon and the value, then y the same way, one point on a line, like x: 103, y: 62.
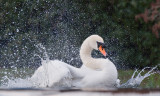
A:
x: 130, y: 29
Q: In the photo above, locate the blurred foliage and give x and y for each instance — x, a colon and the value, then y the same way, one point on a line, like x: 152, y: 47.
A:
x: 145, y: 46
x: 62, y: 25
x: 25, y: 24
x: 152, y: 14
x: 133, y: 40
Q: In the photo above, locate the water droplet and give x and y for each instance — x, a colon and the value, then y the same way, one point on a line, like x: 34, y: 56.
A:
x: 17, y: 30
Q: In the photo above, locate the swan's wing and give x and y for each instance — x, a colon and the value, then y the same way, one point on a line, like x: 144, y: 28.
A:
x: 85, y: 70
x: 76, y: 72
x: 53, y: 73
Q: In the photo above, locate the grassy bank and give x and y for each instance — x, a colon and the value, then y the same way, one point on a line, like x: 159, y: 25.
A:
x: 152, y: 81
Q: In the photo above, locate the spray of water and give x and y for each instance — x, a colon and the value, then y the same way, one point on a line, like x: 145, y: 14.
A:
x: 43, y: 79
x: 12, y: 82
x: 44, y: 61
x: 135, y: 81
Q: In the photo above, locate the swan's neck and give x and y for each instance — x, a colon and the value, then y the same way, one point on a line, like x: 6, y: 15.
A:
x: 87, y: 59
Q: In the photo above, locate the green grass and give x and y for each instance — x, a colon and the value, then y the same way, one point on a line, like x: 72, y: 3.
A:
x: 152, y: 81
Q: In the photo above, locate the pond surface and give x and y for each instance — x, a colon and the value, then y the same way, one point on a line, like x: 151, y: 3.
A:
x: 79, y: 92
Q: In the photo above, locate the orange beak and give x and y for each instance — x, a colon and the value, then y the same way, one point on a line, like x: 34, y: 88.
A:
x: 102, y: 50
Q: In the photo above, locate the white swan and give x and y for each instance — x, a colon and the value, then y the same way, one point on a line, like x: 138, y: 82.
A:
x: 95, y: 72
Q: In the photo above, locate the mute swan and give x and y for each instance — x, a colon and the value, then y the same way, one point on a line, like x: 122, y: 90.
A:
x: 95, y: 72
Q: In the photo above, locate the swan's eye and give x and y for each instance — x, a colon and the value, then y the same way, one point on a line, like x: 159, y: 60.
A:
x: 101, y: 44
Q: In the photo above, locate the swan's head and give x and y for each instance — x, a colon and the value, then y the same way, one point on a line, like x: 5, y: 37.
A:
x: 96, y: 42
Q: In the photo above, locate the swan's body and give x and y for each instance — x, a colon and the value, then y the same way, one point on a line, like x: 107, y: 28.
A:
x: 95, y: 72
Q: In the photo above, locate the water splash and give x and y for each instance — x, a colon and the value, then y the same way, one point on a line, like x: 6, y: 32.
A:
x: 135, y: 81
x: 44, y: 61
x: 17, y: 83
x: 11, y: 81
x: 43, y: 78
